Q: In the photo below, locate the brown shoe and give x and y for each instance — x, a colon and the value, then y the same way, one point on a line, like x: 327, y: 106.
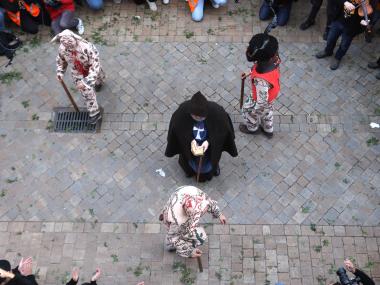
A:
x: 243, y: 128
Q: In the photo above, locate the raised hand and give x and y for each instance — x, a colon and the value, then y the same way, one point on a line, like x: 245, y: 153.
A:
x: 75, y: 274
x: 96, y: 275
x: 25, y: 266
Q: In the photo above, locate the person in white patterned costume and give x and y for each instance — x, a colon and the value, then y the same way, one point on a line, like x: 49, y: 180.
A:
x: 86, y: 70
x: 265, y: 77
x: 181, y: 215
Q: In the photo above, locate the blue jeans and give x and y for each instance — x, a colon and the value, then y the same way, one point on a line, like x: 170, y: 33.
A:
x: 95, y: 4
x: 336, y: 30
x: 197, y: 14
x: 283, y: 12
x: 2, y: 24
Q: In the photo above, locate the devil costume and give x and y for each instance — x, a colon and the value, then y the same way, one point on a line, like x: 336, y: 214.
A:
x: 205, y: 123
x: 181, y: 216
x: 86, y: 70
x: 265, y: 77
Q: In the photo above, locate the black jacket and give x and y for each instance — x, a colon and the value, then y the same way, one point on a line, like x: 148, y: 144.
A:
x: 221, y: 134
x: 364, y: 278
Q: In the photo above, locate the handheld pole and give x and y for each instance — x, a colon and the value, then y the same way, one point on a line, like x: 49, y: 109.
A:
x: 199, y: 167
x: 243, y: 77
x: 200, y: 264
x: 69, y: 95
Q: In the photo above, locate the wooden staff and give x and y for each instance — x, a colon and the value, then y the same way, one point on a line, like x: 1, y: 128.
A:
x: 199, y: 167
x: 200, y: 264
x: 243, y: 77
x: 69, y: 95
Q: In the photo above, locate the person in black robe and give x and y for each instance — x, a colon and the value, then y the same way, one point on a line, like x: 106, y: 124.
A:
x: 200, y: 123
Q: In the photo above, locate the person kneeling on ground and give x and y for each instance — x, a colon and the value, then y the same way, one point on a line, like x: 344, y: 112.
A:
x: 62, y: 16
x: 360, y: 276
x: 197, y: 7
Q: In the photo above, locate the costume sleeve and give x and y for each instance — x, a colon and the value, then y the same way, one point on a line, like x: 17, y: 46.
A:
x: 172, y: 146
x: 213, y: 208
x: 364, y: 278
x: 72, y: 282
x: 94, y: 63
x: 61, y: 64
x: 184, y: 248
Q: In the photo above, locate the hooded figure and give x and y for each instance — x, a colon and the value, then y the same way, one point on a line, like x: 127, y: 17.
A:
x: 265, y: 78
x: 86, y: 70
x: 182, y: 214
x: 199, y: 128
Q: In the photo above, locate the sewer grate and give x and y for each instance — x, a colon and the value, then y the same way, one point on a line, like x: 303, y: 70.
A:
x: 67, y: 120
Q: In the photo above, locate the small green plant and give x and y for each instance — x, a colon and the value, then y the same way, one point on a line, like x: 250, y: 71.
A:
x: 345, y: 181
x: 337, y: 165
x: 115, y: 258
x: 188, y: 34
x: 305, y: 209
x: 25, y: 104
x: 11, y: 180
x: 377, y: 111
x: 321, y: 280
x: 369, y: 265
x: 34, y: 42
x: 372, y: 141
x: 325, y: 242
x: 3, y: 193
x: 49, y: 125
x: 187, y: 276
x: 210, y: 31
x: 98, y: 39
x: 313, y: 227
x: 219, y: 18
x: 136, y: 20
x: 332, y: 269
x: 8, y: 77
x: 138, y: 270
x: 91, y: 212
x: 364, y: 232
x: 35, y: 117
x: 317, y: 248
x: 218, y: 274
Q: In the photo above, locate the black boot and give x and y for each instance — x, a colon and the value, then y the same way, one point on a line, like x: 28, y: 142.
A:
x: 307, y: 24
x: 94, y: 119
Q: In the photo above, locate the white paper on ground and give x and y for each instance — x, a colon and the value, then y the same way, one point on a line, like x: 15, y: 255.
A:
x: 161, y: 172
x: 374, y: 125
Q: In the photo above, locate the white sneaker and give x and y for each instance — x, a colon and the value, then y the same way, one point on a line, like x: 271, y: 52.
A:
x: 216, y: 6
x: 80, y: 27
x: 152, y: 6
x: 166, y: 2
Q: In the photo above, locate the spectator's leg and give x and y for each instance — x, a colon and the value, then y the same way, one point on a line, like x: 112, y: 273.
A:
x: 55, y: 26
x: 336, y: 30
x: 219, y: 2
x: 344, y: 46
x: 316, y: 5
x: 265, y: 12
x: 28, y: 23
x: 95, y: 4
x: 2, y: 24
x: 283, y: 13
x: 68, y: 20
x: 197, y: 14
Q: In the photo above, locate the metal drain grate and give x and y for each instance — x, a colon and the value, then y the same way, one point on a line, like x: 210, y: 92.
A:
x: 67, y: 120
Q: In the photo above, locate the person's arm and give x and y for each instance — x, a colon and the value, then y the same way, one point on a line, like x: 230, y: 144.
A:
x: 72, y: 282
x: 61, y: 65
x: 213, y: 208
x: 94, y: 70
x: 364, y: 278
x: 16, y: 277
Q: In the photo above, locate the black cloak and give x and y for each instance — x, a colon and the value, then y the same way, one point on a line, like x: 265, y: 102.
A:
x: 220, y: 130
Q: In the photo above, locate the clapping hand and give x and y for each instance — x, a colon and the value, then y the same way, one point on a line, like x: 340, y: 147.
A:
x: 25, y: 266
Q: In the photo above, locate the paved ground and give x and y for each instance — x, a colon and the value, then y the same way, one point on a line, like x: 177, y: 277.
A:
x: 64, y: 197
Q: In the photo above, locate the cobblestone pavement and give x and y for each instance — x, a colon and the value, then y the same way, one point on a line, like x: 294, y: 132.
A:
x: 79, y: 198
x: 235, y: 254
